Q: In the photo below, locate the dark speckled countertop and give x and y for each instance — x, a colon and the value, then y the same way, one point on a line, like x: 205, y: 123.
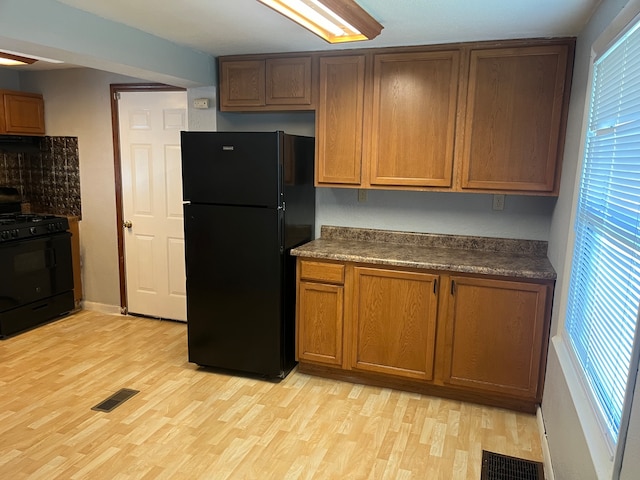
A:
x: 453, y: 253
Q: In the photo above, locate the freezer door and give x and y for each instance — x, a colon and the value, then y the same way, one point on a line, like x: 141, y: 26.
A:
x: 234, y: 288
x: 232, y: 168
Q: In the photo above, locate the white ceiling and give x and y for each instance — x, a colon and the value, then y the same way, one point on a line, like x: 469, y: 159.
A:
x: 223, y: 27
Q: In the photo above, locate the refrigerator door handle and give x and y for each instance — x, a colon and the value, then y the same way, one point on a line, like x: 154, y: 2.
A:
x: 282, y: 228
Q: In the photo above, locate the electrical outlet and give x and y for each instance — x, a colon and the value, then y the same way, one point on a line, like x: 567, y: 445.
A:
x: 362, y: 195
x: 498, y: 202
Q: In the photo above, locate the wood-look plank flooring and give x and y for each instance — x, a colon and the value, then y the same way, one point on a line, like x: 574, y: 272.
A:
x: 192, y: 423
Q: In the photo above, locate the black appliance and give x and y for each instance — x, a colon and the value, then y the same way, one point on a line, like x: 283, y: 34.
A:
x: 249, y: 199
x: 35, y: 270
x: 20, y: 143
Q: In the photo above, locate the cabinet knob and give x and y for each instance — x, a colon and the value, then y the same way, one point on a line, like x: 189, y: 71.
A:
x: 127, y: 224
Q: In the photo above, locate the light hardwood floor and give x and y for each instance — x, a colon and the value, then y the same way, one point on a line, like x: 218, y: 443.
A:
x: 192, y: 423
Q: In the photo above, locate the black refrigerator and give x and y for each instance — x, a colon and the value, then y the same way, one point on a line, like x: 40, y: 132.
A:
x: 249, y: 199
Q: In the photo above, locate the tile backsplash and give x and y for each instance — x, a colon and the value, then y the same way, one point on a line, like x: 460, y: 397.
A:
x: 48, y: 180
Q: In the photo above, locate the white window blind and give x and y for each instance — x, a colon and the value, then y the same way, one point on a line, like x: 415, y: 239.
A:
x: 604, y: 292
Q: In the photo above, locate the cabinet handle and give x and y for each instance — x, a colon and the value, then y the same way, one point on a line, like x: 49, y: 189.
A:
x: 453, y: 287
x: 435, y: 285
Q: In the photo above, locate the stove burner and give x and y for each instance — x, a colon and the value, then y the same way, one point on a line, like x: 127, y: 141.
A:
x: 16, y: 218
x: 14, y: 226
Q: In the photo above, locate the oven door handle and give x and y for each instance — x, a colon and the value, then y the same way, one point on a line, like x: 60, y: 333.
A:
x: 51, y: 258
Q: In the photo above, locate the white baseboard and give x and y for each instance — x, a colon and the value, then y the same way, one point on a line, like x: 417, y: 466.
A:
x: 101, y: 307
x: 546, y: 453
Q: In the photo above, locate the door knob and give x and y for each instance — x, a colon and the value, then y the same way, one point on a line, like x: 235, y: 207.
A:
x: 127, y: 224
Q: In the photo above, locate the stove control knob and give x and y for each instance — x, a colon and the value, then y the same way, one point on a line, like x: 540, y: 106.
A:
x: 14, y: 233
x: 32, y: 230
x: 4, y: 235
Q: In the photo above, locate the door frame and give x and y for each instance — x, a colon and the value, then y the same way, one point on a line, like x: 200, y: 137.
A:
x: 115, y: 89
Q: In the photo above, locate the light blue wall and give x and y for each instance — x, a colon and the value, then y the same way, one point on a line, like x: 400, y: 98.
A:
x: 51, y: 29
x: 433, y: 212
x: 9, y: 79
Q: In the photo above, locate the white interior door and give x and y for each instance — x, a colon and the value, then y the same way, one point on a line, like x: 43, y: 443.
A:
x: 150, y: 125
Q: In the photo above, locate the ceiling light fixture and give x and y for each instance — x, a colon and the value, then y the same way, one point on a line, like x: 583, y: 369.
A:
x: 336, y: 21
x: 10, y: 60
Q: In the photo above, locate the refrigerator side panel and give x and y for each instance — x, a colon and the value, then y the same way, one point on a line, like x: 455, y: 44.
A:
x: 234, y: 288
x: 232, y: 168
x: 299, y: 192
x: 300, y: 202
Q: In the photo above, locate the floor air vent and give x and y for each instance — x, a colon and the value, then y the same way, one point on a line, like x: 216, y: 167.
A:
x: 114, y: 400
x: 502, y: 467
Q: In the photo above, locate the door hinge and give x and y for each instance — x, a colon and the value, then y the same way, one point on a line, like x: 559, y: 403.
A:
x: 116, y: 95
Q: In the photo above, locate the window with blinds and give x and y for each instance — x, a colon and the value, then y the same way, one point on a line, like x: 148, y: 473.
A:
x: 604, y: 292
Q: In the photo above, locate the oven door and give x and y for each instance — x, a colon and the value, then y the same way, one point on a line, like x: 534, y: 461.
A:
x: 34, y: 269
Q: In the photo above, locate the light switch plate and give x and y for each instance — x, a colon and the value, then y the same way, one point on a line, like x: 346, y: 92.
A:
x: 362, y: 195
x: 498, y: 202
x: 201, y: 103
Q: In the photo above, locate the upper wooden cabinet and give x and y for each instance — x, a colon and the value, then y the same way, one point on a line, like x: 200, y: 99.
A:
x: 398, y: 132
x: 486, y: 117
x: 242, y: 84
x: 513, y: 126
x: 22, y: 113
x: 288, y: 81
x: 263, y: 84
x: 413, y: 119
x: 387, y: 120
x: 339, y: 120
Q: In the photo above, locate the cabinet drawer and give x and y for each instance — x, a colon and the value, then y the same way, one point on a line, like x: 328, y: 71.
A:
x: 322, y: 272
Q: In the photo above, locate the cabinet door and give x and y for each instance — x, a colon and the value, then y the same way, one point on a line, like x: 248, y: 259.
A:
x: 288, y: 81
x: 319, y: 328
x: 242, y: 83
x: 339, y: 121
x: 394, y: 322
x: 23, y: 114
x: 495, y: 335
x: 413, y: 120
x: 514, y: 118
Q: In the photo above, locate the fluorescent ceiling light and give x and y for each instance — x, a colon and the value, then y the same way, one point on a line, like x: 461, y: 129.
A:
x: 9, y: 58
x: 335, y: 21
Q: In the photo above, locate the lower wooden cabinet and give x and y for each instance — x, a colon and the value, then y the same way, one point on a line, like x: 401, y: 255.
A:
x: 394, y: 322
x: 320, y: 334
x: 469, y: 337
x: 495, y: 334
x: 320, y: 305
